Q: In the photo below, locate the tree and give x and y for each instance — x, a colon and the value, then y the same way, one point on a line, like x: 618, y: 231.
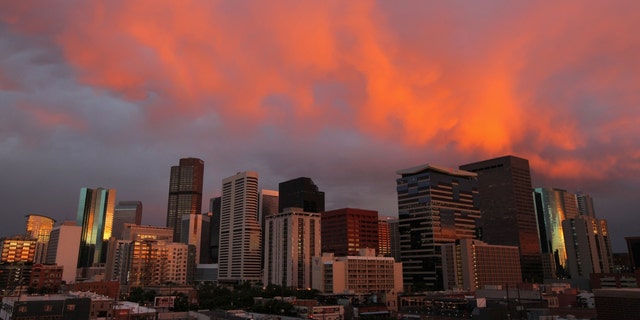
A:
x: 141, y: 296
x: 136, y: 295
x: 214, y: 297
x: 181, y: 302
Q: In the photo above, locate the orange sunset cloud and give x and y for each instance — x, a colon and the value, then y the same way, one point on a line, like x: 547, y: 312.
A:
x: 290, y: 85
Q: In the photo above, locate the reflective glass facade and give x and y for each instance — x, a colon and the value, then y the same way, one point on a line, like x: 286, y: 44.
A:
x: 436, y: 206
x: 552, y: 207
x: 95, y: 216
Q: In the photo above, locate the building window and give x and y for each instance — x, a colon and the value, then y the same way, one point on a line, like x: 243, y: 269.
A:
x: 71, y: 307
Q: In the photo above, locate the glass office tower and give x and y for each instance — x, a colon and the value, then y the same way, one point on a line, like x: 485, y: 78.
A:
x: 436, y: 206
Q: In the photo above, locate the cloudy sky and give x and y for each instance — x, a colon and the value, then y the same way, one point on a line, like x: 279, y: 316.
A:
x: 113, y: 93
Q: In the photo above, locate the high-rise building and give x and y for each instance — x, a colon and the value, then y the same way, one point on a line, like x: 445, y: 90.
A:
x: 240, y: 233
x: 214, y: 227
x: 269, y: 201
x: 138, y: 232
x: 185, y: 192
x: 508, y: 214
x: 300, y: 193
x: 268, y: 206
x: 552, y: 207
x: 64, y: 244
x: 292, y: 239
x: 633, y: 246
x: 588, y: 248
x: 346, y: 231
x: 436, y: 206
x: 195, y: 231
x: 38, y: 228
x: 394, y: 230
x: 153, y: 262
x: 126, y: 212
x: 95, y: 216
x: 384, y: 236
x: 120, y: 255
x: 585, y: 205
x: 472, y: 264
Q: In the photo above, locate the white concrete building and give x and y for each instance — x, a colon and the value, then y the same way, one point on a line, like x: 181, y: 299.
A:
x: 240, y: 233
x: 292, y: 239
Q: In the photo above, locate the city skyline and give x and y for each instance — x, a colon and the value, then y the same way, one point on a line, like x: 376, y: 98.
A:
x: 113, y: 94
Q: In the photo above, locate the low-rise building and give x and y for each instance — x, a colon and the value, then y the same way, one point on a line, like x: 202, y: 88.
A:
x: 57, y: 306
x: 363, y: 274
x: 101, y: 306
x: 45, y: 278
x: 615, y: 280
x: 126, y: 310
x: 617, y: 304
x: 110, y: 289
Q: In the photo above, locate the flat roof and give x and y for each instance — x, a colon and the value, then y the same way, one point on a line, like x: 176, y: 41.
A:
x: 633, y: 293
x: 431, y: 167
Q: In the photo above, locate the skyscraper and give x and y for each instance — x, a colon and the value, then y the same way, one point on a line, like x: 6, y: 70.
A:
x: 436, y: 206
x: 195, y: 231
x: 384, y: 236
x: 240, y: 233
x: 38, y: 228
x: 552, y: 207
x: 63, y: 247
x: 292, y: 239
x: 126, y: 212
x: 585, y: 205
x: 300, y: 193
x: 95, y: 216
x: 588, y: 248
x: 185, y: 192
x: 214, y: 227
x: 269, y: 201
x: 268, y: 206
x: 346, y: 231
x: 633, y: 246
x: 508, y: 214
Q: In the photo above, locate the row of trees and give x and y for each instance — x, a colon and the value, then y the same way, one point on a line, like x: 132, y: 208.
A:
x: 242, y: 296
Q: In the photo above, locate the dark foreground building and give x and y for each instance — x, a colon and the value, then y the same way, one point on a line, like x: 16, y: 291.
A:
x: 617, y: 304
x: 53, y: 307
x: 300, y: 193
x: 185, y: 192
x: 508, y: 214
